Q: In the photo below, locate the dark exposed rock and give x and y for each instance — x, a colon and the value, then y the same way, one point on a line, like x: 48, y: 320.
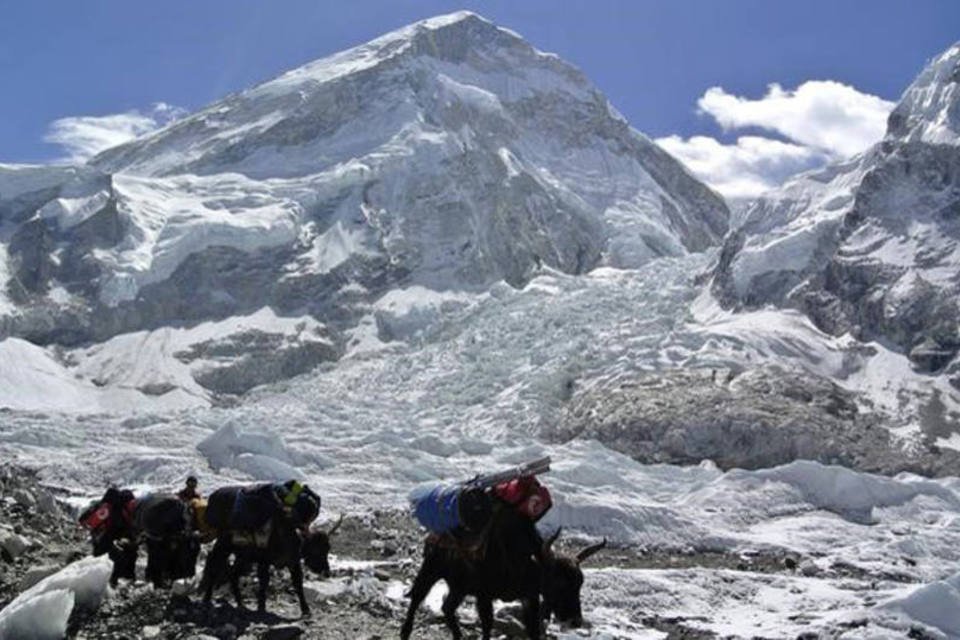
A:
x: 759, y: 418
x: 260, y: 364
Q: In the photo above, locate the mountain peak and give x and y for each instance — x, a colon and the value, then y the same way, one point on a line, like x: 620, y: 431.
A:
x: 929, y: 110
x: 448, y: 37
x: 445, y: 20
x: 461, y: 44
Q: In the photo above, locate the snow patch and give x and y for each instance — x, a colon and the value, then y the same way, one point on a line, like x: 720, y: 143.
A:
x: 42, y: 617
x: 41, y: 612
x: 936, y: 605
x: 259, y: 453
x: 843, y: 490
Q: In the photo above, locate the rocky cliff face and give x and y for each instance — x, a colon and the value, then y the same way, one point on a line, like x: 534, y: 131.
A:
x: 450, y: 154
x: 870, y: 246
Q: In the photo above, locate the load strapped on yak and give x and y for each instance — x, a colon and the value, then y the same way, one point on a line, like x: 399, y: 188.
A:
x: 468, y: 506
x: 249, y: 511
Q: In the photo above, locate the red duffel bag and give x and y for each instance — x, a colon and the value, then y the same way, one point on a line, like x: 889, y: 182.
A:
x: 527, y: 496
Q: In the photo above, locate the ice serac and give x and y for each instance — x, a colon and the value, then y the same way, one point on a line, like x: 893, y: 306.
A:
x: 448, y: 155
x: 871, y: 245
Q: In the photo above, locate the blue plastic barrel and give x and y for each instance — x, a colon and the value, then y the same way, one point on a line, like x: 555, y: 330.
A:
x: 437, y: 507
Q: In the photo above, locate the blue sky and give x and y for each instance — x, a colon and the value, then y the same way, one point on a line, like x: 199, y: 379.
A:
x: 656, y: 61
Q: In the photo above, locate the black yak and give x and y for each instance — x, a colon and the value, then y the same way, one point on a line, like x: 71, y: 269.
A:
x: 119, y: 522
x: 510, y: 562
x: 258, y: 527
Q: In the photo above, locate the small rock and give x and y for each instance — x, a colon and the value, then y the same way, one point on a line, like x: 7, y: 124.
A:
x: 381, y: 575
x: 226, y: 632
x: 46, y: 503
x: 150, y: 631
x: 182, y: 588
x: 24, y: 498
x: 70, y: 555
x: 809, y: 568
x: 282, y: 632
x: 35, y: 575
x: 14, y: 544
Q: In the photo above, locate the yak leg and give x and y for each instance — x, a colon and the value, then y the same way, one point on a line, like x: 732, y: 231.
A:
x: 235, y: 583
x: 426, y: 578
x: 156, y: 562
x: 449, y: 608
x: 485, y: 613
x: 531, y: 616
x: 296, y: 575
x: 214, y: 568
x: 124, y: 557
x: 263, y: 581
x: 545, y: 612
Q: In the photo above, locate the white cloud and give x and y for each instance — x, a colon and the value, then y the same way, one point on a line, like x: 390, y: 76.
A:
x: 823, y: 120
x: 745, y: 169
x: 82, y: 137
x: 824, y: 114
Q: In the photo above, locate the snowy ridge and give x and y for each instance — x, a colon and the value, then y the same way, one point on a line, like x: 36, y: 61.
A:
x: 785, y: 227
x: 869, y: 247
x: 170, y: 368
x: 296, y: 93
x: 173, y: 219
x: 929, y: 110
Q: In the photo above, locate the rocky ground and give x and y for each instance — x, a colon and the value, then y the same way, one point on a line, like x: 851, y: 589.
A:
x: 37, y: 536
x: 751, y: 419
x: 375, y: 559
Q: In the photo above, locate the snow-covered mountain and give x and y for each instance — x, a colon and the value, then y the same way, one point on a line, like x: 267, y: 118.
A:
x: 450, y: 155
x: 470, y: 260
x: 869, y: 246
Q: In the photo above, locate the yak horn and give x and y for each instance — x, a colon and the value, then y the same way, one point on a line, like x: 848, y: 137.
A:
x: 589, y: 551
x: 336, y: 525
x: 549, y: 541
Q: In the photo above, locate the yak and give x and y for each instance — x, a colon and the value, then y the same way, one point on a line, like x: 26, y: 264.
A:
x: 256, y: 528
x: 119, y: 522
x: 510, y: 562
x: 165, y: 523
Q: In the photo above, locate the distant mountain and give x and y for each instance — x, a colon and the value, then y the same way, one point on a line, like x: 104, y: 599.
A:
x: 450, y: 154
x: 869, y: 246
